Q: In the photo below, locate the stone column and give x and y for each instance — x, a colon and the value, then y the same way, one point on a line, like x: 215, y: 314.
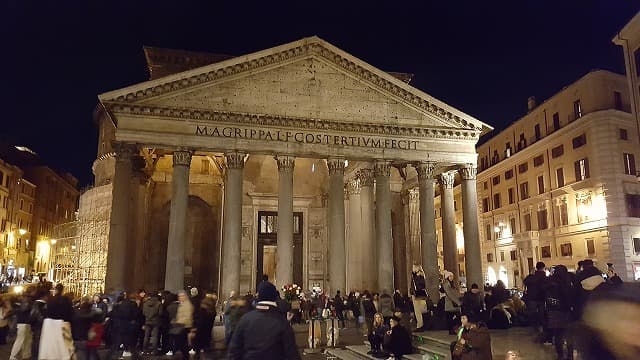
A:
x: 337, y: 261
x: 115, y: 279
x: 472, y: 251
x: 232, y: 224
x: 354, y: 243
x: 382, y: 170
x: 428, y: 228
x: 449, y: 245
x: 369, y: 268
x: 284, y: 264
x: 174, y: 271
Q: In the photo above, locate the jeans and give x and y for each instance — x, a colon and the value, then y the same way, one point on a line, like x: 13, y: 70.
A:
x: 150, y: 342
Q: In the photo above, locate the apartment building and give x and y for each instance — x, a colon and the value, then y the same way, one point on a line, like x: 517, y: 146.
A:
x: 559, y: 185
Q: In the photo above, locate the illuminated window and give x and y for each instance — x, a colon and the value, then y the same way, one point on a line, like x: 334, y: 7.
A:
x: 629, y: 164
x: 577, y: 109
x: 581, y: 168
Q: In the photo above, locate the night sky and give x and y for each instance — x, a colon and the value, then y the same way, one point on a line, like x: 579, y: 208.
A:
x: 482, y: 57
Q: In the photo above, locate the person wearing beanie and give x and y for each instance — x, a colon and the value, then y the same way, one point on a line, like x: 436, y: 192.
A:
x: 399, y: 340
x: 264, y: 333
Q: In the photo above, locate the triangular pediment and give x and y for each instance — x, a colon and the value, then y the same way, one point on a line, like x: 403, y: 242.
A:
x: 309, y: 79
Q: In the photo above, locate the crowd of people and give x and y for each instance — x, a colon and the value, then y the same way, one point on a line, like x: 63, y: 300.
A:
x: 564, y: 308
x: 51, y: 324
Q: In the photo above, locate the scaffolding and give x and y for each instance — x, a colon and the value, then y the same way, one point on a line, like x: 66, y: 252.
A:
x: 80, y: 250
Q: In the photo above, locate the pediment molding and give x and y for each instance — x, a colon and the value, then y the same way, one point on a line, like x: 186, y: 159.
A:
x: 290, y: 122
x: 311, y: 47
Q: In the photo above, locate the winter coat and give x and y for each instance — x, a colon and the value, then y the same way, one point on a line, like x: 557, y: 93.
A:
x: 263, y: 334
x: 472, y: 302
x: 368, y: 309
x: 60, y: 307
x: 452, y: 301
x: 535, y: 286
x: 81, y: 323
x: 386, y: 305
x: 399, y: 342
x: 478, y: 344
x: 125, y: 316
x: 152, y: 309
x: 184, y: 315
x: 203, y: 322
x: 559, y: 300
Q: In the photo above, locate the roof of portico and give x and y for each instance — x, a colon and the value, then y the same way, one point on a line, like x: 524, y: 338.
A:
x: 142, y: 93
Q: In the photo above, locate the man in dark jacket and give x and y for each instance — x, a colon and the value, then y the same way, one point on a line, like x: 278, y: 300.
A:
x: 152, y: 311
x: 124, y: 315
x: 264, y: 333
x: 472, y: 301
x: 535, y: 284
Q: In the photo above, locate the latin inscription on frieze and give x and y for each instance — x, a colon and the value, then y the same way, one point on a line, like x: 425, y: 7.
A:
x: 303, y: 137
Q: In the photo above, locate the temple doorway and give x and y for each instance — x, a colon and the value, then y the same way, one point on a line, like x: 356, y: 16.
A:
x: 267, y: 259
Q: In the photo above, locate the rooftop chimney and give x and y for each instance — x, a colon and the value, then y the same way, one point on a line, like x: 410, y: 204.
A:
x: 531, y: 103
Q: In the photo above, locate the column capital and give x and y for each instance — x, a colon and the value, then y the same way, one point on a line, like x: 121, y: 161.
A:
x: 447, y: 179
x: 124, y: 152
x: 425, y: 170
x: 286, y: 163
x: 182, y: 157
x: 410, y: 195
x: 468, y: 172
x: 353, y: 186
x: 235, y: 159
x: 382, y: 168
x: 366, y: 177
x: 335, y: 165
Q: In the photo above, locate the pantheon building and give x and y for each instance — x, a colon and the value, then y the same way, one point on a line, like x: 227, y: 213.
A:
x: 295, y: 162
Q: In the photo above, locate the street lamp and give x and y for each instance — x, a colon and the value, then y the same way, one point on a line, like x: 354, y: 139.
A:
x: 22, y: 231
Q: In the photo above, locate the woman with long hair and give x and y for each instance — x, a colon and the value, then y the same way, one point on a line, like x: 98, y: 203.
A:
x: 452, y: 301
x: 376, y: 334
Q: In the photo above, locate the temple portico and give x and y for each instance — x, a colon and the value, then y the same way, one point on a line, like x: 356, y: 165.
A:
x: 285, y: 162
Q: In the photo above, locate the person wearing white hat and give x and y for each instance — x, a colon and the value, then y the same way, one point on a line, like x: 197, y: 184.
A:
x: 452, y: 300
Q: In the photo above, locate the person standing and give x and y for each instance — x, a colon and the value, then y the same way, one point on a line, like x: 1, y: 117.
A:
x: 22, y: 346
x: 452, y: 301
x: 558, y: 304
x: 181, y: 325
x: 368, y: 310
x: 338, y: 303
x: 386, y: 306
x: 152, y: 312
x: 264, y: 333
x: 203, y: 320
x: 81, y: 323
x: 56, y: 341
x: 534, y: 291
x: 472, y: 301
x: 5, y: 314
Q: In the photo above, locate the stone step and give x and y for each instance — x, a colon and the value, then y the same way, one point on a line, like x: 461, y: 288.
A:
x: 361, y: 350
x: 432, y: 346
x: 343, y: 354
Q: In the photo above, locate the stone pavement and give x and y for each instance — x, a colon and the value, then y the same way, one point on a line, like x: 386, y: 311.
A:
x: 518, y: 339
